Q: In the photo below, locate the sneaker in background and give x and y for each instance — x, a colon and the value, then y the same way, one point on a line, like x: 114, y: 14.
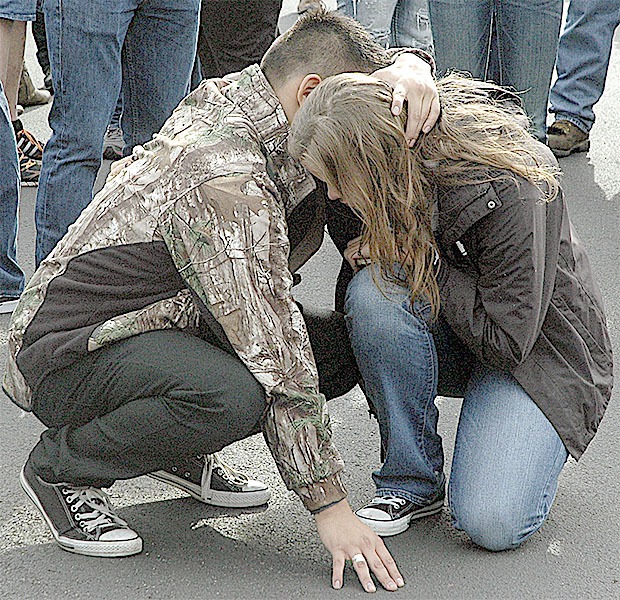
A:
x: 81, y: 519
x: 29, y: 169
x: 27, y: 144
x: 210, y: 480
x: 390, y: 515
x: 113, y: 144
x: 7, y: 304
x: 564, y: 138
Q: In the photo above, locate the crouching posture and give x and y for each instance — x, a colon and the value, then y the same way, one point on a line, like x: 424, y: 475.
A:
x: 477, y: 287
x: 162, y: 327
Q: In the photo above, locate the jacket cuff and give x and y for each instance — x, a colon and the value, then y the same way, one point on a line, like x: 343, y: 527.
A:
x: 322, y: 493
x: 394, y: 53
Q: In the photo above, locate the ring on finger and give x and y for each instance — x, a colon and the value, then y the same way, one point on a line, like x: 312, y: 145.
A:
x: 358, y: 559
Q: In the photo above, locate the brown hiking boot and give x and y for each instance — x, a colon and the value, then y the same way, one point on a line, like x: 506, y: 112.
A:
x: 564, y: 138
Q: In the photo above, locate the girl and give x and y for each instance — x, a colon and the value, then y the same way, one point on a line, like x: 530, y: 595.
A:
x: 477, y: 287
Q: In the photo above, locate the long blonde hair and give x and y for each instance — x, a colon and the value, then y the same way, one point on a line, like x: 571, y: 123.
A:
x: 346, y: 134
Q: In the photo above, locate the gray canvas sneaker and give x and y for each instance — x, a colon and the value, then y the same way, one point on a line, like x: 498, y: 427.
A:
x: 81, y: 519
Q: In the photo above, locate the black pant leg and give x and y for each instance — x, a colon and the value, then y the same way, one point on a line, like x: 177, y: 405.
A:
x: 40, y: 39
x: 234, y: 35
x: 140, y: 405
x: 338, y: 372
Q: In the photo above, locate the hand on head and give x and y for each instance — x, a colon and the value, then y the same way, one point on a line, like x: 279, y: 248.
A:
x: 412, y: 81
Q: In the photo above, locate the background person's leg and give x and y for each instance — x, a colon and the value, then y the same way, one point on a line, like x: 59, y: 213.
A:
x: 84, y: 45
x: 140, y: 405
x: 462, y: 35
x: 527, y: 42
x: 411, y: 26
x: 506, y: 464
x: 234, y: 35
x: 13, y: 39
x: 11, y: 276
x: 376, y: 17
x: 158, y: 58
x: 583, y: 60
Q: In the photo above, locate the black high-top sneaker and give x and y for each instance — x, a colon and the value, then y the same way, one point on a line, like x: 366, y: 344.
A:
x: 210, y: 480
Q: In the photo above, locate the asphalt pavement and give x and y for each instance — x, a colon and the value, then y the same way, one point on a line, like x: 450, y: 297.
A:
x: 192, y: 551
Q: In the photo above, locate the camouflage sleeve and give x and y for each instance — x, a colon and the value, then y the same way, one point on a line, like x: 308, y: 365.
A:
x: 229, y: 240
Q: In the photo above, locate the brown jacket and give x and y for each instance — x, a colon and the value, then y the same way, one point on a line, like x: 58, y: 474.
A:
x: 517, y: 288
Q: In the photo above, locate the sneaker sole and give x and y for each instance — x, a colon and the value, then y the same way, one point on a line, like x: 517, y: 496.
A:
x: 218, y: 498
x: 100, y: 549
x: 7, y: 307
x: 388, y: 528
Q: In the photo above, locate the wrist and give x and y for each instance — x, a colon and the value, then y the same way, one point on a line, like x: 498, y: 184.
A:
x: 415, y: 59
x: 339, y: 508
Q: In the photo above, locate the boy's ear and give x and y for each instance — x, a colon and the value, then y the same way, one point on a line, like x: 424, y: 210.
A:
x: 308, y: 83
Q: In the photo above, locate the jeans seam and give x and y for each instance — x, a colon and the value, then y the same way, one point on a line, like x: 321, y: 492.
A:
x: 540, y: 517
x: 429, y: 385
x: 41, y: 208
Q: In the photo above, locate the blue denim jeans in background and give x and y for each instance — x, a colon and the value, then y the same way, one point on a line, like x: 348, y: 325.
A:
x: 149, y: 46
x: 393, y: 23
x: 11, y: 276
x: 526, y: 39
x: 397, y: 23
x: 18, y: 10
x: 346, y: 7
x: 507, y: 457
x: 583, y: 60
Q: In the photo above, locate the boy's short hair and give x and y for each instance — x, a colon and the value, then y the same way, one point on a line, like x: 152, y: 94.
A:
x: 322, y: 42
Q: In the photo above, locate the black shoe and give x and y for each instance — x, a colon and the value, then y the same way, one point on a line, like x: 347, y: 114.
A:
x: 29, y: 169
x: 81, y: 519
x: 212, y: 481
x: 389, y: 515
x: 27, y: 144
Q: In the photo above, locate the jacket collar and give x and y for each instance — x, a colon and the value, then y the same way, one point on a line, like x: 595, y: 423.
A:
x: 252, y: 93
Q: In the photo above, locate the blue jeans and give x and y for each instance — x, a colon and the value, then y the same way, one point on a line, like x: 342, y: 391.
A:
x: 397, y: 23
x: 507, y: 456
x: 11, y: 276
x: 583, y: 60
x: 346, y: 7
x: 18, y: 10
x: 149, y: 46
x: 525, y: 35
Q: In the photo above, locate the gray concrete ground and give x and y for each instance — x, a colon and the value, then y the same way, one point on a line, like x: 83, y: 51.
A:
x: 192, y: 551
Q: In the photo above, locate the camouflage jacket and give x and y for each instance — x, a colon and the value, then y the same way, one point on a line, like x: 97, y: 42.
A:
x: 195, y: 224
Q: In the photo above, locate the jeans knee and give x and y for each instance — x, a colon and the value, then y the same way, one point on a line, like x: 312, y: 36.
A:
x: 369, y: 308
x: 495, y: 527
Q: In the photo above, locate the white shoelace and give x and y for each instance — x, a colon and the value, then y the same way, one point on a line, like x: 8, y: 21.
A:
x: 393, y: 501
x: 95, y: 499
x: 233, y: 476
